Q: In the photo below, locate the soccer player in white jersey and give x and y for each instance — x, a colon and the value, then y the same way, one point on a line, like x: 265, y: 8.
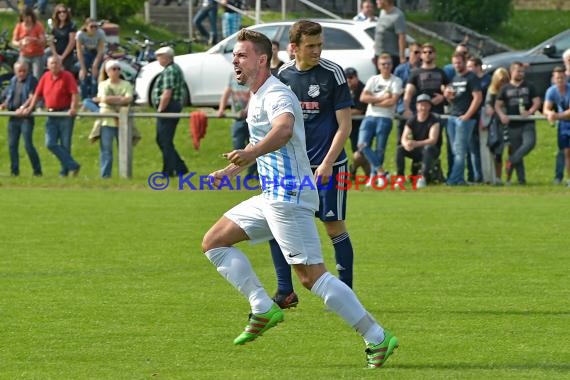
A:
x: 285, y: 213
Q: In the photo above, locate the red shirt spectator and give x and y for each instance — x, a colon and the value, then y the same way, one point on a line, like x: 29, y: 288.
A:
x: 57, y: 89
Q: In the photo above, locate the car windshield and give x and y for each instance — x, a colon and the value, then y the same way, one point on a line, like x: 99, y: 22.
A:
x: 338, y: 39
x: 371, y: 32
x: 561, y: 42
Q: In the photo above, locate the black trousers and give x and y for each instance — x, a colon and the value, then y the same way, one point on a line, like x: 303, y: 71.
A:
x: 172, y: 164
x: 426, y: 155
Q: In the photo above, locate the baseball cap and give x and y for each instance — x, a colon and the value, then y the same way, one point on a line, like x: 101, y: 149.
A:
x: 423, y: 98
x: 166, y: 50
x: 112, y: 63
x: 350, y: 72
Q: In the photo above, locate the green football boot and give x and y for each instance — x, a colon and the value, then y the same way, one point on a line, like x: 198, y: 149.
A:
x: 259, y: 323
x: 376, y: 355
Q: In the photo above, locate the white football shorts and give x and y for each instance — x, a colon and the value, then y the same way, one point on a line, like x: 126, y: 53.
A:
x: 293, y: 227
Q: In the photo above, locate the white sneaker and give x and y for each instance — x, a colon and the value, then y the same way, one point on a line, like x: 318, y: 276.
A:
x: 421, y: 183
x: 370, y: 181
x: 383, y: 180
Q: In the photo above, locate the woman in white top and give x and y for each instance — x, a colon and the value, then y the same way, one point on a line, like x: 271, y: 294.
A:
x: 381, y: 93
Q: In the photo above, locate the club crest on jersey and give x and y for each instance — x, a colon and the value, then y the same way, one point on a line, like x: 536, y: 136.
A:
x: 314, y: 90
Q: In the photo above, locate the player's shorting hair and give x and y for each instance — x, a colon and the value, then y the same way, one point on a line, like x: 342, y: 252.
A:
x: 261, y: 44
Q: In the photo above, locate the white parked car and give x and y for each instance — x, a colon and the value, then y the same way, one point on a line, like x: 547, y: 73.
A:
x: 346, y: 42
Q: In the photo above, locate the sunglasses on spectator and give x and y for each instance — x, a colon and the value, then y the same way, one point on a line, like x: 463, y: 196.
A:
x: 116, y: 68
x: 94, y: 26
x: 61, y: 11
x: 417, y: 52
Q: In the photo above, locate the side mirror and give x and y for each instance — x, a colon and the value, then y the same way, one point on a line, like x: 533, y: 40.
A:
x: 549, y: 50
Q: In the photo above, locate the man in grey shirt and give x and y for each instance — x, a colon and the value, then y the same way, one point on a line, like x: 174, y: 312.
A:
x: 390, y: 32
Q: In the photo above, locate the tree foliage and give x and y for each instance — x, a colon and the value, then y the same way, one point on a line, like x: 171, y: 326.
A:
x: 482, y: 15
x: 109, y: 10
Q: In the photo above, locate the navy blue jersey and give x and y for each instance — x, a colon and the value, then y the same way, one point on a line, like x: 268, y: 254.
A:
x: 321, y: 90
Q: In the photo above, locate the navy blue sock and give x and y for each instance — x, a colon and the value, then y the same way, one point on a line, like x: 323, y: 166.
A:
x: 344, y: 256
x: 282, y: 269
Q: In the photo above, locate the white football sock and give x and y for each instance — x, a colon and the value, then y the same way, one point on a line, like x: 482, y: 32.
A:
x: 236, y: 268
x: 341, y: 299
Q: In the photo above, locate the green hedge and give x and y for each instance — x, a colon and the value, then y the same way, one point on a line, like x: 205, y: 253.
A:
x: 482, y: 15
x: 109, y: 10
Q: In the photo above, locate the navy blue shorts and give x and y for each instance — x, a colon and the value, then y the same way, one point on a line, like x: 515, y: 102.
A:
x: 332, y: 200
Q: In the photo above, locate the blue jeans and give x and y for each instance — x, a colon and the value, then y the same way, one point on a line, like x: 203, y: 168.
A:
x: 210, y: 12
x: 523, y: 139
x: 474, y: 170
x: 374, y: 126
x: 88, y: 85
x: 22, y: 126
x: 42, y: 4
x: 459, y: 133
x: 165, y: 130
x: 36, y: 65
x: 108, y: 135
x: 559, y: 163
x: 231, y: 23
x: 90, y: 105
x: 58, y: 140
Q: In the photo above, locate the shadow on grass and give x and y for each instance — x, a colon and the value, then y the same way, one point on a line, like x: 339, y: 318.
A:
x: 475, y: 366
x: 481, y: 312
x: 513, y: 312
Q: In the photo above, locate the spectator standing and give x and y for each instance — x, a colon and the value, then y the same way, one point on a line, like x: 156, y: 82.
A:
x: 167, y: 96
x: 518, y: 97
x: 403, y: 71
x: 320, y: 86
x: 63, y: 31
x: 428, y: 79
x: 30, y: 38
x: 381, y: 93
x: 90, y: 47
x: 448, y: 69
x: 420, y: 141
x: 209, y: 10
x: 237, y: 96
x: 492, y: 166
x: 390, y: 32
x: 276, y: 63
x: 465, y: 96
x: 19, y: 94
x: 40, y: 4
x: 358, y: 108
x: 559, y: 164
x: 58, y: 89
x: 113, y: 93
x: 366, y: 12
x: 474, y: 169
x: 231, y: 19
x: 557, y: 108
x: 278, y: 146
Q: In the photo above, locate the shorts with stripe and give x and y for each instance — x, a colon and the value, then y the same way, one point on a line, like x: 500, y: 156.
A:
x: 332, y: 200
